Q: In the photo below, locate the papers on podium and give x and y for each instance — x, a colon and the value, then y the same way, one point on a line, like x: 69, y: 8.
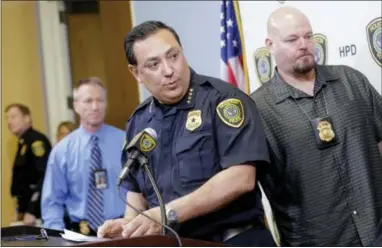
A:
x: 77, y: 237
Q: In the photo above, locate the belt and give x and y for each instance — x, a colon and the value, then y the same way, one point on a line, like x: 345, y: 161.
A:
x: 232, y: 232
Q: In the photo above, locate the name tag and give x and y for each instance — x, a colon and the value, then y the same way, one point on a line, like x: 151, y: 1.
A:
x: 100, y: 178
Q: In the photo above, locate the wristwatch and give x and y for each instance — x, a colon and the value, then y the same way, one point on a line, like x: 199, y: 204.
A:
x: 172, y: 217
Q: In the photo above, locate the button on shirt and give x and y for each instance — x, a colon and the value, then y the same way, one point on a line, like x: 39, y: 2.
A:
x: 332, y: 196
x: 193, y: 145
x: 67, y: 177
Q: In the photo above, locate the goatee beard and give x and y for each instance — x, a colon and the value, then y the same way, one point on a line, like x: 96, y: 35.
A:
x: 304, y: 68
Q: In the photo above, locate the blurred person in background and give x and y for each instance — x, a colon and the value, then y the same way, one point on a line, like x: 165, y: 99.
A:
x: 91, y: 151
x: 30, y: 163
x: 63, y: 129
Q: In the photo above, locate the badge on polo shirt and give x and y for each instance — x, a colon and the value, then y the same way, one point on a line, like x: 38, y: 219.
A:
x: 324, y: 132
x: 100, y: 178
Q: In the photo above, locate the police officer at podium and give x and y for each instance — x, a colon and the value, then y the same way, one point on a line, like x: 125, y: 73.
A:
x: 29, y: 165
x: 210, y: 143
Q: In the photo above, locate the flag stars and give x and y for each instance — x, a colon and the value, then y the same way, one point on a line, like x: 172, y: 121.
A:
x: 234, y: 42
x: 222, y: 43
x: 230, y: 23
x: 221, y: 16
x: 222, y: 30
x: 228, y: 35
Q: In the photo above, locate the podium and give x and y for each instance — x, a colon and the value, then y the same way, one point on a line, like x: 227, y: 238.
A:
x: 55, y: 239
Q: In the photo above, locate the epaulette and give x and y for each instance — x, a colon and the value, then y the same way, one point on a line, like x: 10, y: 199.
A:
x: 222, y: 86
x: 141, y: 106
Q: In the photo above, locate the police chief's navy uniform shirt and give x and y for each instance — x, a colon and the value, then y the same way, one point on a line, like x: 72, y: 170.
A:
x: 198, y: 138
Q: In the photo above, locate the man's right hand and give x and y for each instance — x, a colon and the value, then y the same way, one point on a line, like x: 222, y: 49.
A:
x: 19, y: 216
x: 112, y: 228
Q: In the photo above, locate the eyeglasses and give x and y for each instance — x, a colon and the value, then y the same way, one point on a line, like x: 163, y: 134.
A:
x: 43, y: 236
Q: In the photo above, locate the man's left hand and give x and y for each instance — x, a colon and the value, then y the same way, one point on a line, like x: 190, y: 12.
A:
x: 29, y: 219
x: 142, y: 226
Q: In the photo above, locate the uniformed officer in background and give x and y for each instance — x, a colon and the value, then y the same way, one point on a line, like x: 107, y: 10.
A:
x: 210, y: 143
x: 30, y: 163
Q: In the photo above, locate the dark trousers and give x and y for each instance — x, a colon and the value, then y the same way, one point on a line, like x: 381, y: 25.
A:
x: 254, y: 237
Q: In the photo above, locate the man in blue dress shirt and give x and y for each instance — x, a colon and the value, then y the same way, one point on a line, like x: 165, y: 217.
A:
x: 82, y: 170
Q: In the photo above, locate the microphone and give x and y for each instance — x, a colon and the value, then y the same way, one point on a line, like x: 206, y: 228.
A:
x: 138, y: 150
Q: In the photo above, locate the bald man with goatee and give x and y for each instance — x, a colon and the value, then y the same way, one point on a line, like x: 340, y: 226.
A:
x: 324, y: 130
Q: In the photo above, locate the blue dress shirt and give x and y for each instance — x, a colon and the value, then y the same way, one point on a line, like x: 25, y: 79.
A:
x: 67, y: 177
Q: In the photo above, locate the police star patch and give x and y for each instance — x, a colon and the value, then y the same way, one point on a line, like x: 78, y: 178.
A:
x: 231, y: 112
x: 194, y: 120
x: 38, y: 148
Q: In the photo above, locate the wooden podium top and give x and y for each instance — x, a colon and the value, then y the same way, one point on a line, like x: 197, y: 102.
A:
x: 55, y: 239
x: 155, y: 240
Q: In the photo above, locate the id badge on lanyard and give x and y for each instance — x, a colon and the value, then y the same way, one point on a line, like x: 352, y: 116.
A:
x: 100, y: 178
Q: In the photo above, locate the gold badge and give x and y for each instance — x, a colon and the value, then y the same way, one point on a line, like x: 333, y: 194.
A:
x: 325, y: 131
x: 23, y: 150
x: 38, y: 148
x: 231, y: 112
x: 194, y: 120
x: 84, y: 227
x: 147, y: 143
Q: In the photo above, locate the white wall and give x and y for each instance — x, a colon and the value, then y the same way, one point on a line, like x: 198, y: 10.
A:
x: 198, y: 26
x: 56, y: 65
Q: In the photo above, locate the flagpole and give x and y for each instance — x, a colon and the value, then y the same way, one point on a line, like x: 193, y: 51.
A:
x: 240, y: 27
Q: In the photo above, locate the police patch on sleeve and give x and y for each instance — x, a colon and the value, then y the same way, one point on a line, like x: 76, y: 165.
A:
x: 231, y: 112
x: 38, y: 148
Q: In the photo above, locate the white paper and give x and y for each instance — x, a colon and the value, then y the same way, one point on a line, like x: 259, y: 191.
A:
x: 77, y: 237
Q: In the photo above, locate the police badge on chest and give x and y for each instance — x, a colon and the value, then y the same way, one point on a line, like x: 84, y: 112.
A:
x: 324, y: 132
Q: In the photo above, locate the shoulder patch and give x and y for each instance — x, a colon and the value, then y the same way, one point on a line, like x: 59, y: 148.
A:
x: 38, y: 148
x: 231, y: 112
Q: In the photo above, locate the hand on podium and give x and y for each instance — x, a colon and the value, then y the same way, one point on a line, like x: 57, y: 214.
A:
x: 29, y: 219
x: 112, y: 228
x: 142, y: 226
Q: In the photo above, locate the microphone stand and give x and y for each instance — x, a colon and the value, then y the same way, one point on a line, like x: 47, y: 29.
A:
x: 155, y: 186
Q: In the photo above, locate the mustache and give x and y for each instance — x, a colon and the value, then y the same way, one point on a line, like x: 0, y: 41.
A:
x: 305, y: 54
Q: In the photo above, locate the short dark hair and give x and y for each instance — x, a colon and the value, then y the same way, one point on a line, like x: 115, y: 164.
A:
x: 141, y: 32
x: 90, y: 80
x: 23, y: 108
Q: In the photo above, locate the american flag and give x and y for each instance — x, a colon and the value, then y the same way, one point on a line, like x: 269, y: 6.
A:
x: 231, y: 46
